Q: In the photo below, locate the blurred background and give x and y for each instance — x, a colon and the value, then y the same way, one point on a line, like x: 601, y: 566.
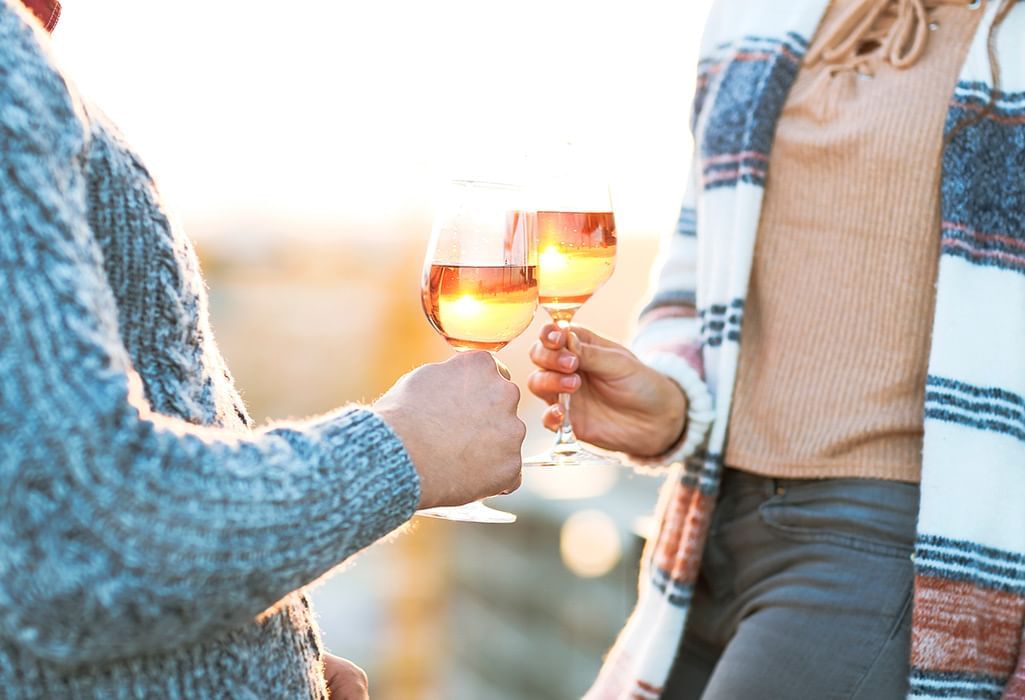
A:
x: 300, y: 144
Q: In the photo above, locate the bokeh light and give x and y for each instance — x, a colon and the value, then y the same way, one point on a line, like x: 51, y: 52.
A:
x: 589, y: 543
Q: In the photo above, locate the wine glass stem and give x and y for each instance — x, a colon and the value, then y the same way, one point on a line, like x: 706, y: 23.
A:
x: 565, y: 440
x: 565, y: 434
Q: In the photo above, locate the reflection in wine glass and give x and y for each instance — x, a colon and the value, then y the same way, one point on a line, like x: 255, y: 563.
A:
x: 479, y: 287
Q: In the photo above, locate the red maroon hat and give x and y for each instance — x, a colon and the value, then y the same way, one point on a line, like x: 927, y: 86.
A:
x: 48, y: 11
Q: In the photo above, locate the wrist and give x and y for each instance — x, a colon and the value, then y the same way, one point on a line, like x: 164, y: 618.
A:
x: 699, y: 406
x: 395, y: 420
x: 673, y: 415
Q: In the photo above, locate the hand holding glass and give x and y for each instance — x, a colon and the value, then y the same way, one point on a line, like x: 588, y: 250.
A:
x: 479, y: 287
x: 576, y: 256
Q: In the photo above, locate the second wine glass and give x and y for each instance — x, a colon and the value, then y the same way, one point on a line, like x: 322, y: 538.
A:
x: 479, y: 287
x: 576, y: 256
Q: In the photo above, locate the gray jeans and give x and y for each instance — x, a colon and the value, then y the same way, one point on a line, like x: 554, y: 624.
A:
x: 804, y: 593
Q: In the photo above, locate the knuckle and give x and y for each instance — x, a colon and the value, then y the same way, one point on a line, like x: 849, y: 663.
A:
x: 506, y: 394
x: 536, y: 351
x: 521, y: 431
x: 536, y: 388
x: 480, y: 358
x: 473, y: 360
x: 555, y: 357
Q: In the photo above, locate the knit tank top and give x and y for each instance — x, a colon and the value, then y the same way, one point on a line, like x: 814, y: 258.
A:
x: 837, y: 324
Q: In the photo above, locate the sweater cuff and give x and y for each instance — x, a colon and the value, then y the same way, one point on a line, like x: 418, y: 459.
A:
x: 386, y: 478
x: 700, y: 409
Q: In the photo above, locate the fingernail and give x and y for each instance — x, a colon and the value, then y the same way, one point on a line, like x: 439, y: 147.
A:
x: 570, y: 382
x: 567, y: 362
x: 554, y: 336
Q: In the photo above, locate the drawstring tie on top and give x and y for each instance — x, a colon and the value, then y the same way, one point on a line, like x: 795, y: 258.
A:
x: 894, y: 30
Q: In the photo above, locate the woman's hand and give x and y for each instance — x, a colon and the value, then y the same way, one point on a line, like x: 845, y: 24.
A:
x: 619, y: 403
x: 345, y: 680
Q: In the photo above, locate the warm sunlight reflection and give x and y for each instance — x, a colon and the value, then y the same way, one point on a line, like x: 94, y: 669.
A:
x: 551, y: 260
x: 465, y: 308
x: 589, y: 543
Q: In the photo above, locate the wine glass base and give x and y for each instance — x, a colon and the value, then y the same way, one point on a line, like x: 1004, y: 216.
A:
x: 580, y: 457
x: 475, y: 512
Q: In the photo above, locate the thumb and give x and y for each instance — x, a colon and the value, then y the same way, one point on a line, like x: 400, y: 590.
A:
x: 605, y: 360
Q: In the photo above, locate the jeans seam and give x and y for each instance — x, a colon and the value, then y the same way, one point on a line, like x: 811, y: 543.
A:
x: 854, y: 542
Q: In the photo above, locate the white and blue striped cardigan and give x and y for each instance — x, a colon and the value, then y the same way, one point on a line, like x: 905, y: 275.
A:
x: 969, y: 602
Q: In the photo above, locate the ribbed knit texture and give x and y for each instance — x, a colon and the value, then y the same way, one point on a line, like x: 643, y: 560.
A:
x: 831, y: 385
x: 151, y: 544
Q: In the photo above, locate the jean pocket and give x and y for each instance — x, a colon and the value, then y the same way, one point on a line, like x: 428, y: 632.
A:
x: 867, y: 515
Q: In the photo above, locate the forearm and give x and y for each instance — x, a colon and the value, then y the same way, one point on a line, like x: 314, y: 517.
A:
x: 135, y: 534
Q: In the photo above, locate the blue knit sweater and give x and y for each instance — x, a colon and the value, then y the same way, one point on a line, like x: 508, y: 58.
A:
x: 151, y: 543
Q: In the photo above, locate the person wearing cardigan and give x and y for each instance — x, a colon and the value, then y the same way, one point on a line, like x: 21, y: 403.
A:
x: 153, y: 543
x: 834, y: 358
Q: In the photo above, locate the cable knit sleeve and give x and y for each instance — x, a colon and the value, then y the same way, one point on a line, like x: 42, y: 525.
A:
x: 121, y: 531
x: 669, y: 332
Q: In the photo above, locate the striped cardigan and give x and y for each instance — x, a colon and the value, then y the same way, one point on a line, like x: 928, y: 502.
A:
x: 969, y: 597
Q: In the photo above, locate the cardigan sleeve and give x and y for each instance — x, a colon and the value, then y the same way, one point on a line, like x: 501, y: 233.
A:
x: 124, y: 532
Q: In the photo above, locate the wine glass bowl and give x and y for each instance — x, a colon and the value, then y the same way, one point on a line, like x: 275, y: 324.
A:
x: 480, y: 307
x: 576, y: 256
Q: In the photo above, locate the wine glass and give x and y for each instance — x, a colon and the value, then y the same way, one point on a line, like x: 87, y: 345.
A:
x: 576, y: 233
x: 479, y: 287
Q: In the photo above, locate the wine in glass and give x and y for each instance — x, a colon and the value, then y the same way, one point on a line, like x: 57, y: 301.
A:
x: 479, y: 288
x: 576, y: 256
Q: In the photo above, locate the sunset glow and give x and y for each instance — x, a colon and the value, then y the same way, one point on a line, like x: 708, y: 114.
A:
x: 589, y: 543
x: 340, y: 116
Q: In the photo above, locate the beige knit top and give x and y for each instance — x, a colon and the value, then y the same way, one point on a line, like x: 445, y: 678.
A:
x: 839, y: 312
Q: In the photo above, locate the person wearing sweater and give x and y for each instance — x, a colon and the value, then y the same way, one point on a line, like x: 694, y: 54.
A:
x: 834, y: 359
x: 153, y: 543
